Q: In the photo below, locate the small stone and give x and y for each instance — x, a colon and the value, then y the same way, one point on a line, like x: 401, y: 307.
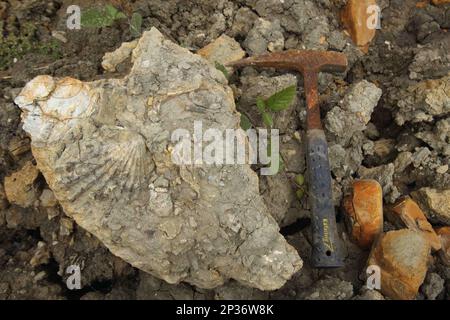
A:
x: 48, y: 199
x: 112, y: 59
x: 3, y: 200
x: 263, y: 37
x: 435, y: 203
x: 65, y: 227
x: 59, y: 35
x: 368, y: 294
x: 442, y: 169
x: 384, y: 147
x: 402, y: 256
x: 354, y: 112
x: 18, y: 146
x: 223, y: 50
x: 41, y: 255
x: 355, y: 19
x: 433, y: 286
x: 403, y: 160
x: 243, y: 21
x: 364, y: 210
x: 413, y: 218
x: 371, y: 131
x: 444, y: 236
x: 328, y: 289
x: 40, y: 276
x: 20, y: 187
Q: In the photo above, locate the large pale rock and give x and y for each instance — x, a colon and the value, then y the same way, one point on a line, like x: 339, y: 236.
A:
x: 104, y: 148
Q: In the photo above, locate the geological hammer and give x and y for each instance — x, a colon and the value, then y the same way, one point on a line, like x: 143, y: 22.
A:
x: 327, y: 250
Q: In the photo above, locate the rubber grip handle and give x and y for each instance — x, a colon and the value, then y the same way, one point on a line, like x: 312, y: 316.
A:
x: 327, y: 250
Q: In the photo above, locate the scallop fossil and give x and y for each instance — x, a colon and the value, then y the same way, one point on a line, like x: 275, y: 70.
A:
x: 104, y: 148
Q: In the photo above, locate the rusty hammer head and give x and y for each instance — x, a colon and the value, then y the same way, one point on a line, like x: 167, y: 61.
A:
x: 303, y: 61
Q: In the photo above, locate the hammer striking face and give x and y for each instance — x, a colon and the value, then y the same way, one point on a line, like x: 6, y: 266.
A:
x: 326, y: 245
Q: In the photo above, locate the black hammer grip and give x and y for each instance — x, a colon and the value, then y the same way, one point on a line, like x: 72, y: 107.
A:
x: 326, y: 252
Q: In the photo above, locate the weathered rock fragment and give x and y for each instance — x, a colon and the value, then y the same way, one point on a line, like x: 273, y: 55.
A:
x: 20, y: 187
x: 438, y: 138
x: 423, y: 101
x: 105, y: 149
x: 112, y: 59
x: 413, y: 218
x: 364, y: 209
x: 444, y: 236
x: 432, y: 286
x: 223, y: 50
x: 328, y: 289
x: 435, y: 203
x: 402, y: 256
x: 305, y: 18
x: 263, y: 37
x: 354, y: 112
x: 356, y: 18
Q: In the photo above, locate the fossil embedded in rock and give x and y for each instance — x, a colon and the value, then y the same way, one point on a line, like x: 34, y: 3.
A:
x: 104, y: 148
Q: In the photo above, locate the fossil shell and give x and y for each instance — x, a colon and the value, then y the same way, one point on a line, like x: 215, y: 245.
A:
x: 104, y: 148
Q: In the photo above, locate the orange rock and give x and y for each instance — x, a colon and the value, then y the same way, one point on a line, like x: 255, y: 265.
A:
x: 223, y: 50
x: 439, y: 2
x: 422, y: 4
x: 444, y: 236
x: 413, y: 218
x: 364, y: 209
x: 20, y: 187
x: 355, y: 18
x: 402, y: 257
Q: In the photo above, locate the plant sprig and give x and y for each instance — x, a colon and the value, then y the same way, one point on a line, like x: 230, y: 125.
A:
x: 277, y: 102
x: 105, y: 17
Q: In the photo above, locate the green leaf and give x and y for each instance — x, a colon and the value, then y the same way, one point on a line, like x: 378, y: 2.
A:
x: 92, y: 18
x: 111, y: 11
x: 299, y: 179
x: 282, y: 99
x: 120, y: 15
x: 136, y: 25
x: 98, y: 18
x: 300, y: 193
x: 245, y: 122
x: 222, y: 68
x: 261, y: 105
x: 267, y: 118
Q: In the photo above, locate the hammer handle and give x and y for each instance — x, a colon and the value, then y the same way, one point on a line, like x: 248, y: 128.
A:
x: 326, y: 252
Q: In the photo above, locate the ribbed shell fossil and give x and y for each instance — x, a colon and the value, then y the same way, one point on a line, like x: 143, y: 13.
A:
x: 104, y: 148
